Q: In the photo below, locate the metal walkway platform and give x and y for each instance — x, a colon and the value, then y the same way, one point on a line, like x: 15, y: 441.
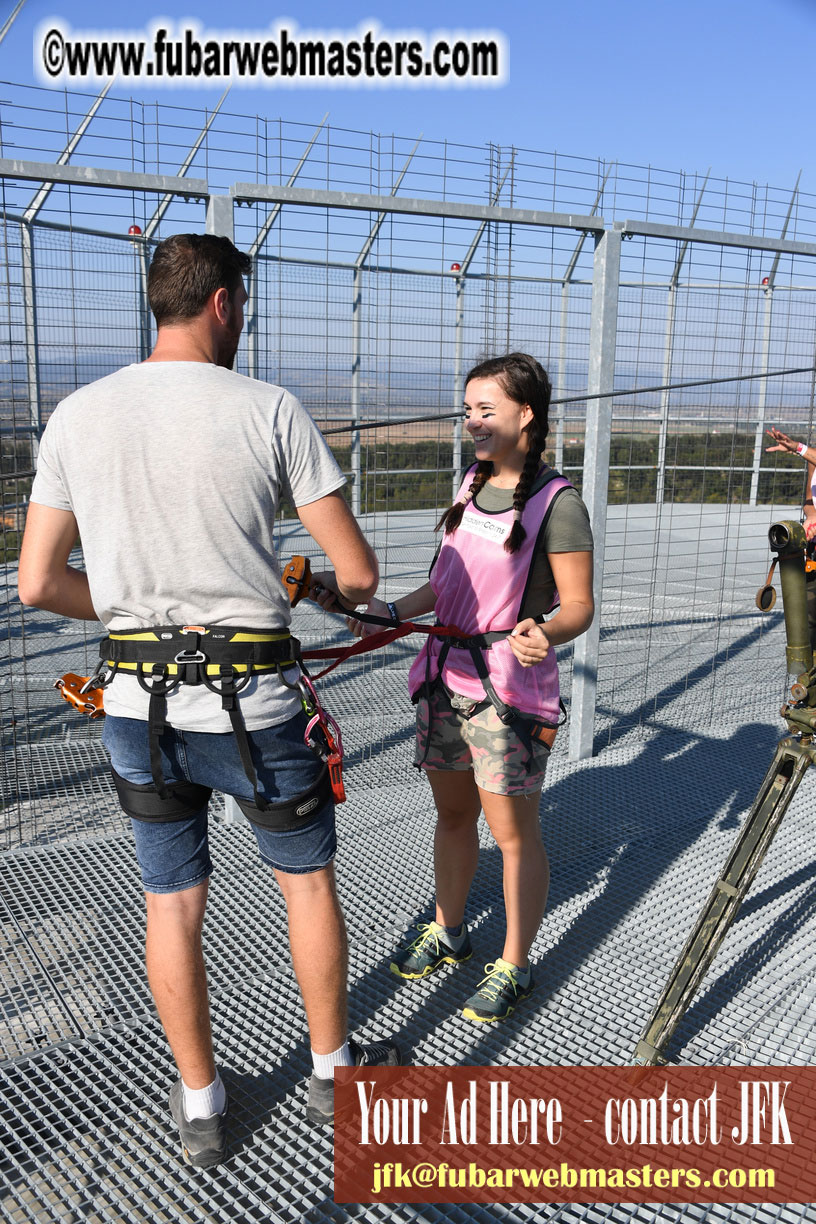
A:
x: 635, y: 836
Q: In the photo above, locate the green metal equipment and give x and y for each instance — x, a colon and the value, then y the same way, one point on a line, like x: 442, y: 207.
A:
x: 793, y: 755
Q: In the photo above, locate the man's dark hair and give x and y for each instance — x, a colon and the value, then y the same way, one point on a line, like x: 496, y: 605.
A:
x: 187, y: 269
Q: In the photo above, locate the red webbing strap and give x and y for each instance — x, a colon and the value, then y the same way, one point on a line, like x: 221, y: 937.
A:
x: 375, y: 640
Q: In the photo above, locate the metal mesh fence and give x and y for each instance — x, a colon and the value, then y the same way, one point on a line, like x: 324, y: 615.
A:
x: 372, y: 312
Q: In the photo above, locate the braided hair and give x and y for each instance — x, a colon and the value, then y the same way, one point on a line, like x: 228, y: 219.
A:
x: 525, y: 381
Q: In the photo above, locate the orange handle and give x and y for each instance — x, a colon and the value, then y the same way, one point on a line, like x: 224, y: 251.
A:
x: 335, y: 764
x: 297, y: 576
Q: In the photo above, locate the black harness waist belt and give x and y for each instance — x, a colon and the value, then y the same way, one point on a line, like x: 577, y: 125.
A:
x: 224, y: 658
x: 526, y: 726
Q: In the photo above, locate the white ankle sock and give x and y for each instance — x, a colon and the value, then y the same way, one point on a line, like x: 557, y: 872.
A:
x: 324, y: 1064
x: 204, y: 1102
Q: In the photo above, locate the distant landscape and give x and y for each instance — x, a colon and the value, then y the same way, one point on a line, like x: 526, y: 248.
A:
x: 709, y: 454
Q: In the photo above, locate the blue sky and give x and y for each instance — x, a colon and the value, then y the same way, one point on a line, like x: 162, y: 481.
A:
x: 724, y: 84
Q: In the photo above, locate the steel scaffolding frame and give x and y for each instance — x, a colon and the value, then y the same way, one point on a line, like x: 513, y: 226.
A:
x: 601, y: 352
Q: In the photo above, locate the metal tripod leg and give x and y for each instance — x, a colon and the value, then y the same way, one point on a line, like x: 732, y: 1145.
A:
x: 778, y: 787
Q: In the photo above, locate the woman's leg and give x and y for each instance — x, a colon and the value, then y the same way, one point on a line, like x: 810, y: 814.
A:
x: 456, y: 841
x: 514, y: 822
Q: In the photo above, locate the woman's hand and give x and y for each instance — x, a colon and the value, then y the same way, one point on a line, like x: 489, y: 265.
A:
x: 783, y: 442
x: 376, y: 607
x: 529, y: 643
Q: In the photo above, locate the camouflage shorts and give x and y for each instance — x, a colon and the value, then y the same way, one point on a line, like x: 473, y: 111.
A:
x: 466, y: 735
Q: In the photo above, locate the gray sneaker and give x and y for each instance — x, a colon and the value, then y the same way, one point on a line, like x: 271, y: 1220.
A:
x: 203, y: 1140
x: 320, y: 1106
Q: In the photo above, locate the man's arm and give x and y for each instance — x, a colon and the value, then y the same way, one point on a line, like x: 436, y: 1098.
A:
x: 45, y: 579
x: 334, y: 528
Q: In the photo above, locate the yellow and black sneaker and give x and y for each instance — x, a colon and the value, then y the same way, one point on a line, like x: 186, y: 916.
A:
x: 498, y: 992
x: 428, y: 951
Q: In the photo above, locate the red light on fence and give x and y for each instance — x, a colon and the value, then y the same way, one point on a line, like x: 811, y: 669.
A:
x: 456, y: 267
x: 135, y: 231
x: 766, y: 280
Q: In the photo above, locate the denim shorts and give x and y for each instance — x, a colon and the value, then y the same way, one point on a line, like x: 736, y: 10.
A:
x: 175, y: 855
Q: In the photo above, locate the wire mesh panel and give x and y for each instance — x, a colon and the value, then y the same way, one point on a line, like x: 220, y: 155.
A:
x: 372, y: 316
x: 692, y: 489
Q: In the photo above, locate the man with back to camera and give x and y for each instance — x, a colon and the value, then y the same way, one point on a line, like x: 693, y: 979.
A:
x: 171, y: 471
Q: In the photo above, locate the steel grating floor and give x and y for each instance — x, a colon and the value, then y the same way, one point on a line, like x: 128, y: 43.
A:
x: 635, y: 837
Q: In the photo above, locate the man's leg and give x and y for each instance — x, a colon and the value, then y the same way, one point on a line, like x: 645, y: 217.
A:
x: 178, y: 981
x: 317, y: 939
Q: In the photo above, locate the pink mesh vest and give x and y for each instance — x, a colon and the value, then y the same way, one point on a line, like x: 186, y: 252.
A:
x: 480, y: 588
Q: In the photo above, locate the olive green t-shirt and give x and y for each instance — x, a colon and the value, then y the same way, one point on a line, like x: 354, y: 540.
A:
x: 567, y: 530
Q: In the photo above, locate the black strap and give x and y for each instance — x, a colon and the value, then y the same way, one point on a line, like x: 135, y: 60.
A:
x: 156, y: 723
x: 192, y: 654
x: 426, y: 691
x: 229, y: 702
x: 285, y: 814
x: 197, y: 650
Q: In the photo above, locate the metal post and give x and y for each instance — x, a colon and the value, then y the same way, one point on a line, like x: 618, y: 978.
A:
x: 30, y: 325
x: 562, y: 343
x: 220, y: 217
x: 759, y: 436
x: 145, y: 345
x: 459, y: 321
x: 562, y: 361
x: 356, y: 451
x: 602, y: 338
x: 663, y: 437
x: 10, y: 21
x: 220, y: 221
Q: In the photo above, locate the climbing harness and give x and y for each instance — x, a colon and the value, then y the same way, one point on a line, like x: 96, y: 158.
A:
x: 225, y: 658
x: 526, y: 726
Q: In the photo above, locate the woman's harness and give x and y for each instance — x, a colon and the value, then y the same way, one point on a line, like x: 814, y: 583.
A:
x: 526, y: 726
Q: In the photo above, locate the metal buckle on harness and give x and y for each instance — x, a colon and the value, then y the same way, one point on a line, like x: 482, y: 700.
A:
x: 190, y: 656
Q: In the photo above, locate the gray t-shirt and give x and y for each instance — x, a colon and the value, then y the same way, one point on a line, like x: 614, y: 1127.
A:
x: 174, y: 472
x: 567, y: 530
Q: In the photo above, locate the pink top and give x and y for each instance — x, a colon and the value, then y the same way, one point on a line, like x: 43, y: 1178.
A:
x: 480, y: 588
